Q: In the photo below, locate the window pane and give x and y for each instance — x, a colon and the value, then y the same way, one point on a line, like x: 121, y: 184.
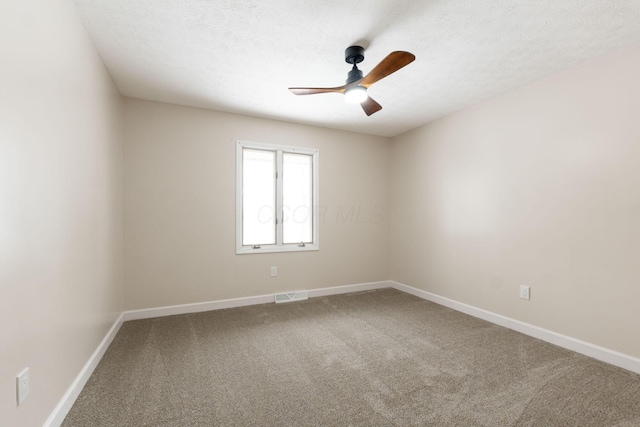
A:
x: 297, y: 198
x: 258, y: 197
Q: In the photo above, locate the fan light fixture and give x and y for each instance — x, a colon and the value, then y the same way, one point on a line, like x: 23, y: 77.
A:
x: 356, y: 94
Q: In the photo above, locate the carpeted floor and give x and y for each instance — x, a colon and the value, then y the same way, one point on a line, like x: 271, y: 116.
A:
x: 378, y: 358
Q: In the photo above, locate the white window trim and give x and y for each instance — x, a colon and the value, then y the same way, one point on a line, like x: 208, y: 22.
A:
x: 279, y: 246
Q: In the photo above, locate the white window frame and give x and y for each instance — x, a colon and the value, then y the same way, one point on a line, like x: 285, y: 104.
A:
x: 279, y: 246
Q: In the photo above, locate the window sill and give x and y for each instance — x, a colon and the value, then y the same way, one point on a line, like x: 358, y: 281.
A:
x: 246, y: 250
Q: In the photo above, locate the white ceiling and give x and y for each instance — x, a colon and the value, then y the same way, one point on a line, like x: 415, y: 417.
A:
x: 241, y: 56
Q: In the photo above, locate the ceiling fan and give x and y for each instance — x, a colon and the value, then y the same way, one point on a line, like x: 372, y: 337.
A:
x: 355, y: 89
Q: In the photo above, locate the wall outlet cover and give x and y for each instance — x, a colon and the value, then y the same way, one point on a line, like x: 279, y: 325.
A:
x: 22, y: 386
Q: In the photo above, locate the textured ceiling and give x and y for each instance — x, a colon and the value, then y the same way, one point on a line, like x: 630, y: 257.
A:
x: 241, y: 56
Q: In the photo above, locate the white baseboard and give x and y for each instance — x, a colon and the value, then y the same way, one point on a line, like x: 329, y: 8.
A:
x: 148, y: 313
x: 62, y: 409
x: 346, y: 289
x: 600, y: 353
x: 198, y: 307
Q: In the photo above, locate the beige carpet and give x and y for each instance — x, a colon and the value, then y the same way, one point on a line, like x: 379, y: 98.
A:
x: 379, y: 358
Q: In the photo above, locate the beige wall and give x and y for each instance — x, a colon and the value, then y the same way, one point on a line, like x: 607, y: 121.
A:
x: 538, y: 187
x: 180, y: 208
x: 60, y: 204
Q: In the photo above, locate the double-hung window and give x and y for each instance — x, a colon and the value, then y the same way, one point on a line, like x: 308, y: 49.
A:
x: 276, y: 198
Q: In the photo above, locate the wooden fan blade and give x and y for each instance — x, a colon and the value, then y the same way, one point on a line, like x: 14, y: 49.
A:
x: 392, y: 63
x: 370, y: 106
x: 314, y: 90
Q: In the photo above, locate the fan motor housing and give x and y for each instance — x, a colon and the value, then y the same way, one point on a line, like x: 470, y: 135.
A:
x: 354, y: 75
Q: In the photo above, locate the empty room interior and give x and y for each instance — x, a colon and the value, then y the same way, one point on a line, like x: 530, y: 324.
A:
x: 462, y: 248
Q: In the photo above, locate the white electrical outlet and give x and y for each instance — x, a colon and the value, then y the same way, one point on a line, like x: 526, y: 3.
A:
x: 525, y: 292
x: 22, y: 386
x: 274, y: 271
